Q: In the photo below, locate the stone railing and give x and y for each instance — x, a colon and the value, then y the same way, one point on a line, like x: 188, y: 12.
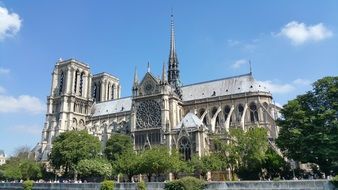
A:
x: 240, y: 185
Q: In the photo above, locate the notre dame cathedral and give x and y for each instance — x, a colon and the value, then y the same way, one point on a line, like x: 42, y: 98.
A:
x: 160, y: 111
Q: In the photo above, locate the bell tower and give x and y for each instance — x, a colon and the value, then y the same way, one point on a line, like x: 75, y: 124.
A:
x: 69, y: 103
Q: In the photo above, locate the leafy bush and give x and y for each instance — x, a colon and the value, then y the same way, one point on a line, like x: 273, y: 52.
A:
x: 186, y: 183
x: 174, y: 185
x: 141, y: 186
x: 334, y: 181
x: 192, y: 183
x: 107, y: 185
x: 28, y: 185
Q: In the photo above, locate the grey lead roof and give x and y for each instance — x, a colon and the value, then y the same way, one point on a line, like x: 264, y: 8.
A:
x: 2, y: 153
x: 111, y: 107
x: 221, y: 87
x: 190, y: 120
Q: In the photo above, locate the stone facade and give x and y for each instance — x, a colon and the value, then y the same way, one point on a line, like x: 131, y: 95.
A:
x: 2, y: 157
x: 160, y: 111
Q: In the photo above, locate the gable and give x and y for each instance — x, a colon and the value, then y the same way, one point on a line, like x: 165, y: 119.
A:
x: 149, y: 85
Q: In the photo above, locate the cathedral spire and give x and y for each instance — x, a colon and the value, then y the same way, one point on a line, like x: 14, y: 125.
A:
x: 173, y: 71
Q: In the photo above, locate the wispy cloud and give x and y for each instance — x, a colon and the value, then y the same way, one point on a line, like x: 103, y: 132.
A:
x: 300, y: 81
x: 239, y: 63
x: 10, y: 23
x: 246, y: 46
x: 4, y: 71
x: 23, y: 103
x: 276, y: 88
x: 26, y: 129
x: 299, y: 33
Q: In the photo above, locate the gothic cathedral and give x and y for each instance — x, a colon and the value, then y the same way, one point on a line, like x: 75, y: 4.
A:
x: 160, y: 111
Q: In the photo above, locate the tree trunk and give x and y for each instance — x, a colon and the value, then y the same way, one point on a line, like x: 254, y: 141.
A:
x: 149, y: 177
x: 75, y: 175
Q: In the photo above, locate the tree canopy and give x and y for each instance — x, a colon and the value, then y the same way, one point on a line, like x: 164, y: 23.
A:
x: 128, y: 163
x: 20, y: 166
x: 94, y: 168
x: 243, y: 152
x: 309, y: 126
x: 116, y: 145
x: 155, y: 161
x: 70, y: 147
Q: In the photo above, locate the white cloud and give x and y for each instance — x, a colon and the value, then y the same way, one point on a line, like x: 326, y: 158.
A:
x: 300, y: 33
x: 23, y: 103
x: 300, y: 81
x: 239, y: 63
x: 4, y: 71
x: 10, y: 23
x: 277, y: 88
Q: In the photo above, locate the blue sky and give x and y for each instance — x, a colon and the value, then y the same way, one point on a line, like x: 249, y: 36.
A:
x: 290, y: 44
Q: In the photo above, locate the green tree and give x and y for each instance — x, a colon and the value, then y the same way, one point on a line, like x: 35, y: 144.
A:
x: 21, y: 167
x: 30, y: 169
x: 94, y: 169
x: 116, y: 145
x: 274, y: 166
x: 201, y: 166
x: 128, y: 163
x: 11, y: 171
x: 243, y: 152
x: 177, y: 165
x: 70, y: 147
x: 155, y: 161
x: 309, y: 126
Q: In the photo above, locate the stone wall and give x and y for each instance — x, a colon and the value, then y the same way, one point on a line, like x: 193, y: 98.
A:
x: 242, y: 185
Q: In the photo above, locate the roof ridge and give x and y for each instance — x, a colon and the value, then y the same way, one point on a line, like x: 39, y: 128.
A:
x: 114, y: 100
x: 237, y: 76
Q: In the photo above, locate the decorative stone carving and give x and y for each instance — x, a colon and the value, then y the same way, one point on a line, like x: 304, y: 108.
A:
x: 148, y: 114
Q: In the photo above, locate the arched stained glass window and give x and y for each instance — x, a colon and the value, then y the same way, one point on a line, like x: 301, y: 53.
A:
x: 227, y: 112
x: 253, y: 113
x: 240, y: 110
x: 185, y: 148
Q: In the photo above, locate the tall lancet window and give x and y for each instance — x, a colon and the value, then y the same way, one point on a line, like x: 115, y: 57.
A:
x: 227, y: 112
x: 113, y: 91
x: 95, y: 91
x: 61, y: 83
x: 253, y: 113
x: 75, y: 81
x: 240, y: 110
x: 185, y: 148
x: 81, y: 83
x: 108, y: 91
